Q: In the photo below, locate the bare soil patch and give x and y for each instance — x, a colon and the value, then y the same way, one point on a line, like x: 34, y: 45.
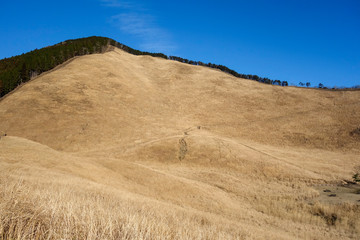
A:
x: 337, y: 194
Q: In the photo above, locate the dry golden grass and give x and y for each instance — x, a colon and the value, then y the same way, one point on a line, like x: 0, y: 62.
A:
x: 115, y: 146
x: 72, y: 210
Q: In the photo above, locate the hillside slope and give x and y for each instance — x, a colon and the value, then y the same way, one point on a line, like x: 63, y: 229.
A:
x: 124, y: 146
x: 117, y: 97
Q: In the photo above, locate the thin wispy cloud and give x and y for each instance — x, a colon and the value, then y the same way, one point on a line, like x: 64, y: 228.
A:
x: 137, y: 24
x: 117, y: 4
x: 136, y: 21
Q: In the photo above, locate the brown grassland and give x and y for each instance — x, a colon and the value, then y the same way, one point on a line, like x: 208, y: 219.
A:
x: 116, y: 146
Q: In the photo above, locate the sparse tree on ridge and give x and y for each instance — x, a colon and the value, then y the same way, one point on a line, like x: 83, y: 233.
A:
x: 277, y: 82
x: 284, y: 83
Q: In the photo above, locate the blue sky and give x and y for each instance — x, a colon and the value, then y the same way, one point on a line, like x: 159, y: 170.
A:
x: 314, y: 41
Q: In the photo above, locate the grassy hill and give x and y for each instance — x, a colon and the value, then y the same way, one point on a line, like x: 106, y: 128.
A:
x: 119, y: 146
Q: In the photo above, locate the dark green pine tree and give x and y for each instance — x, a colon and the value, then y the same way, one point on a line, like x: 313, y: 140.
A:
x: 23, y: 73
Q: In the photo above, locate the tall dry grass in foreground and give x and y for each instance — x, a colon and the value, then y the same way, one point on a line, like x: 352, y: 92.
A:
x: 74, y: 210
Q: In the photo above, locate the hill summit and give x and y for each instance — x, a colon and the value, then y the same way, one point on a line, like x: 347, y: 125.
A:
x: 19, y: 69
